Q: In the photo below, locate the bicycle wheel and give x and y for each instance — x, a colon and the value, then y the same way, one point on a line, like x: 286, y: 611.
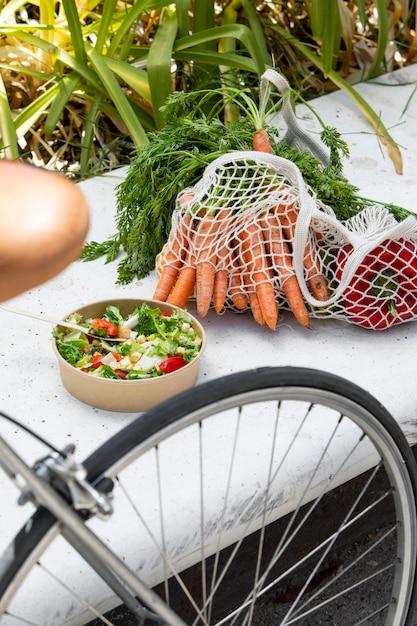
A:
x: 273, y: 496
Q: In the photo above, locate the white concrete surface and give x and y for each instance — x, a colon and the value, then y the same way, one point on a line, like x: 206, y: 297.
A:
x: 384, y: 363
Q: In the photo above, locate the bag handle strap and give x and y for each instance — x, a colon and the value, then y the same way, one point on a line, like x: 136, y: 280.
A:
x: 295, y: 135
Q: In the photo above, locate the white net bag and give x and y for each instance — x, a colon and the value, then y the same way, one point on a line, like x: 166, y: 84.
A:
x: 251, y: 235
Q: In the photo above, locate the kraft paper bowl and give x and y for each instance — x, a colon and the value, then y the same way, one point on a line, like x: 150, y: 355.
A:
x: 127, y: 396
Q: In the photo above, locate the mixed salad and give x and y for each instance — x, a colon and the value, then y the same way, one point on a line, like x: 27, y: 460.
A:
x: 155, y: 343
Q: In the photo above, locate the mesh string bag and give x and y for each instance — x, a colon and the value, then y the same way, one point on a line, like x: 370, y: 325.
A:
x: 255, y: 221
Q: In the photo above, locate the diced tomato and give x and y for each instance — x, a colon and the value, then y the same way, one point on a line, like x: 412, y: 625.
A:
x: 165, y: 313
x: 121, y: 373
x: 96, y: 360
x: 109, y: 327
x: 117, y: 356
x: 171, y: 364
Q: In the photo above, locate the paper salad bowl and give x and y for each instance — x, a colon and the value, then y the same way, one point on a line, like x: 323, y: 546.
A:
x: 127, y: 395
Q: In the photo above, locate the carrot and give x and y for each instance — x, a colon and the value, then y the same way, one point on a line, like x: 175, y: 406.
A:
x: 206, y: 245
x: 261, y: 141
x: 178, y: 244
x: 253, y: 250
x: 253, y: 300
x: 220, y: 290
x: 173, y: 262
x: 316, y: 281
x: 280, y: 255
x: 221, y: 280
x: 185, y: 283
x: 237, y: 290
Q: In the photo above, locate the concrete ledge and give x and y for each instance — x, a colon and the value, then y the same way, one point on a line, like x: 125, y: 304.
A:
x: 381, y: 362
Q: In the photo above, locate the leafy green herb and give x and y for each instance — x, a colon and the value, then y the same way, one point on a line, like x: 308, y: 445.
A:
x: 71, y: 351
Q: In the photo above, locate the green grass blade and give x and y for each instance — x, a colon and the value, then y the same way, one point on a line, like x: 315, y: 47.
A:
x: 118, y: 98
x: 73, y: 19
x: 325, y: 25
x: 66, y: 87
x: 239, y: 31
x: 226, y: 59
x: 132, y: 15
x: 229, y: 16
x: 381, y: 47
x: 136, y: 78
x: 89, y: 131
x: 104, y: 30
x: 159, y: 64
x: 361, y: 11
x: 256, y: 28
x: 9, y: 146
x: 203, y: 15
x: 347, y: 27
x: 47, y: 18
x: 28, y: 118
x: 183, y: 18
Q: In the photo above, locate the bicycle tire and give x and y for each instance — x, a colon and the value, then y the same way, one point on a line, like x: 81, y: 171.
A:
x: 365, y: 422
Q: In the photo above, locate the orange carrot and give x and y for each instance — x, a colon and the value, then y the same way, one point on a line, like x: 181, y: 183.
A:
x: 206, y: 245
x: 257, y: 264
x: 287, y: 215
x: 237, y: 294
x: 178, y: 244
x: 261, y: 141
x: 173, y: 261
x: 253, y: 300
x: 220, y: 290
x: 278, y: 249
x: 221, y: 279
x: 185, y: 284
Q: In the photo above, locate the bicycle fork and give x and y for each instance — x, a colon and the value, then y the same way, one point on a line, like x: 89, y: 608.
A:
x: 85, y: 542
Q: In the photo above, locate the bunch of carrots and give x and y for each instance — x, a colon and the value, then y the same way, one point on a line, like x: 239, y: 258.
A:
x: 193, y: 262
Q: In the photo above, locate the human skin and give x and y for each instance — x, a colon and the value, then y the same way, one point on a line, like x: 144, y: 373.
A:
x: 43, y: 225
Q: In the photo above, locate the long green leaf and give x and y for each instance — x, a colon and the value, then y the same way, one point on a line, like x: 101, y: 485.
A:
x: 183, y: 18
x: 119, y: 99
x: 381, y: 132
x: 160, y: 62
x: 28, y: 118
x: 203, y: 15
x: 382, y: 41
x: 228, y: 60
x: 104, y: 31
x: 361, y: 10
x: 66, y: 87
x: 255, y: 27
x: 325, y: 26
x: 229, y: 16
x: 73, y: 19
x: 89, y: 130
x: 136, y: 78
x: 347, y: 27
x: 47, y: 18
x: 132, y: 15
x: 239, y: 31
x: 9, y: 145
